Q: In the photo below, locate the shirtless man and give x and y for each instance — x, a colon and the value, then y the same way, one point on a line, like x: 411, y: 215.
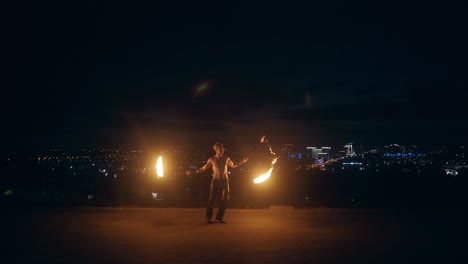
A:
x: 220, y: 183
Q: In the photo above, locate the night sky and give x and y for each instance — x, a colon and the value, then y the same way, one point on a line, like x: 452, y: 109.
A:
x: 122, y: 74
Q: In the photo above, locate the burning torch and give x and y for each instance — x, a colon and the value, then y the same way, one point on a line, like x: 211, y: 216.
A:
x: 267, y: 174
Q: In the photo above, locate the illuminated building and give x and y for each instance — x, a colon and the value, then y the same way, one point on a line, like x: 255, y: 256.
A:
x: 319, y: 153
x: 349, y: 149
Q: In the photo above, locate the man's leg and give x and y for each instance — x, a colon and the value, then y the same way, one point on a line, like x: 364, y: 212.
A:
x: 213, y: 195
x: 223, y: 202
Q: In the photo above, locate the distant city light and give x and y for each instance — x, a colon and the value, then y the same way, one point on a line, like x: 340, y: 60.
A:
x: 451, y: 172
x: 352, y: 163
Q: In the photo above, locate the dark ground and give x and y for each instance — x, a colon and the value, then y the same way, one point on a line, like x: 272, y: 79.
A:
x: 276, y: 235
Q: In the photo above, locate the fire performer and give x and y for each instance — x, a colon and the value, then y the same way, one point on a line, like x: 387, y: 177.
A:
x: 220, y: 183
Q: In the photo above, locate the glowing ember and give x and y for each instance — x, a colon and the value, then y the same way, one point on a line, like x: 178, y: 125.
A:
x: 265, y: 140
x: 274, y: 161
x: 159, y: 167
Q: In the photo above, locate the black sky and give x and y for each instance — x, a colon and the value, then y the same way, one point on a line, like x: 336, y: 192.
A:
x: 119, y: 73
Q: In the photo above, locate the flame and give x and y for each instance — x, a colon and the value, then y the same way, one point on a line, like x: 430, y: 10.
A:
x: 263, y: 177
x: 267, y: 174
x: 159, y: 167
x: 264, y: 139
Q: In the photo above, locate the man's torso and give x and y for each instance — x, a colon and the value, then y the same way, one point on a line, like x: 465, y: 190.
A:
x: 219, y: 165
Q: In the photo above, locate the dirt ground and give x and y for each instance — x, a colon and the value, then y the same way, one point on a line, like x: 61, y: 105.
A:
x: 276, y: 235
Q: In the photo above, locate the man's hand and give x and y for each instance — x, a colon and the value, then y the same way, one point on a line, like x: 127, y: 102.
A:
x: 243, y: 161
x: 189, y: 173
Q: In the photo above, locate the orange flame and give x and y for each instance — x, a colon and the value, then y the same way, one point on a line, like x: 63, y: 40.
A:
x: 264, y: 139
x: 263, y: 177
x: 266, y: 175
x: 159, y: 167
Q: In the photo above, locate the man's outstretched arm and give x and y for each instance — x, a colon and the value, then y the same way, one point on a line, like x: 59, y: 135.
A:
x: 201, y: 169
x: 232, y: 165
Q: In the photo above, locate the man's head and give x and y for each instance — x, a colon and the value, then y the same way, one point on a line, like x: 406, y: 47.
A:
x: 219, y: 148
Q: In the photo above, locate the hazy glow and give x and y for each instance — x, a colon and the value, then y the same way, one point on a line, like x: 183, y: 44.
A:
x: 159, y: 167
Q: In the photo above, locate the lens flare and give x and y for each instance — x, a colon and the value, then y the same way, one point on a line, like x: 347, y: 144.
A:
x: 202, y: 88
